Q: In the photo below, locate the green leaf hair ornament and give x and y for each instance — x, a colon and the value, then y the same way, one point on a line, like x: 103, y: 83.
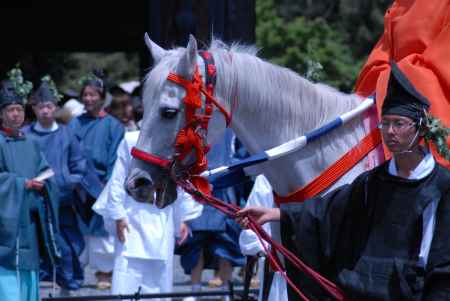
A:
x: 86, y: 78
x: 51, y: 84
x: 437, y: 133
x: 21, y: 86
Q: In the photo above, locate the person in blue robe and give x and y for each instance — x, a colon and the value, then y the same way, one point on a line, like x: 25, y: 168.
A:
x: 63, y: 153
x: 214, y: 240
x: 99, y: 135
x: 28, y: 214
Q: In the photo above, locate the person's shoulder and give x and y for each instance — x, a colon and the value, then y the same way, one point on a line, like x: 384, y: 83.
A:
x: 132, y: 137
x: 2, y: 139
x: 442, y: 168
x: 30, y: 141
x: 112, y: 119
x: 65, y: 129
x: 114, y: 122
x: 75, y: 121
x: 371, y: 172
x: 443, y: 173
x: 28, y: 128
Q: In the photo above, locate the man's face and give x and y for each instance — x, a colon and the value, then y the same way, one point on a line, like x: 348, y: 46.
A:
x: 118, y: 107
x: 398, y: 132
x: 45, y: 112
x: 91, y: 99
x: 13, y: 116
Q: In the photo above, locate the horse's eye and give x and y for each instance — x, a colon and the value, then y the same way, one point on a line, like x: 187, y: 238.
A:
x: 169, y: 113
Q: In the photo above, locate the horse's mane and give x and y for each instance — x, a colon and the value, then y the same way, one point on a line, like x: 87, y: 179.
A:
x: 305, y: 105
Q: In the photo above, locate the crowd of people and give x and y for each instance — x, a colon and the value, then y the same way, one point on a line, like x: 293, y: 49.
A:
x: 63, y: 165
x: 64, y: 205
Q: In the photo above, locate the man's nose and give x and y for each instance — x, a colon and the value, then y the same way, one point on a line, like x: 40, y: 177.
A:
x: 390, y: 128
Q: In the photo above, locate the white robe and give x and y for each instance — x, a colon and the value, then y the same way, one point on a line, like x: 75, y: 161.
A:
x: 146, y: 257
x: 262, y: 196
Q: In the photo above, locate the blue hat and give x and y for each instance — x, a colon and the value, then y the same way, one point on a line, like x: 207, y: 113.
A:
x: 46, y: 92
x: 15, y: 89
x: 8, y: 95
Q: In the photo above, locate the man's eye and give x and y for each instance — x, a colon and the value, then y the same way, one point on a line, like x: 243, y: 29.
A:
x: 169, y: 113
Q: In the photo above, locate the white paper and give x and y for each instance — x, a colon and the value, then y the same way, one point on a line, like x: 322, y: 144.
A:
x: 46, y: 174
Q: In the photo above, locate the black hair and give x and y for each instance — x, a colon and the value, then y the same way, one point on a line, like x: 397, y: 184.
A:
x: 96, y: 81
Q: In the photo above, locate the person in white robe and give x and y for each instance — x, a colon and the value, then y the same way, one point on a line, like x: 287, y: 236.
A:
x: 262, y: 196
x: 144, y: 235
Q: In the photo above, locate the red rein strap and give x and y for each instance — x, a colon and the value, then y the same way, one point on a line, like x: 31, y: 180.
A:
x: 193, y: 135
x: 334, y: 172
x: 263, y: 237
x: 149, y: 158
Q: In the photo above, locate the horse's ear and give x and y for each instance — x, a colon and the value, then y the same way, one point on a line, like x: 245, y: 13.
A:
x: 156, y: 52
x: 188, y: 61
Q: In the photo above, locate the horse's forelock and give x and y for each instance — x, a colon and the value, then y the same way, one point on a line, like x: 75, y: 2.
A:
x: 157, y: 76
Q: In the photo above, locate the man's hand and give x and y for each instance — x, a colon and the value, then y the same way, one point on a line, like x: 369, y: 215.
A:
x: 121, y: 227
x: 261, y: 215
x: 184, y: 233
x: 34, y: 184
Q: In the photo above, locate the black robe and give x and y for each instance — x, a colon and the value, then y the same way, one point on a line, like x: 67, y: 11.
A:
x: 366, y: 237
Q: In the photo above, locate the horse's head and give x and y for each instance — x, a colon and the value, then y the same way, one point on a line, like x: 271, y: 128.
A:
x: 164, y: 116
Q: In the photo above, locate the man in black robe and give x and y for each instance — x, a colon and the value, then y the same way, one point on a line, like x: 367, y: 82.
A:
x: 384, y: 236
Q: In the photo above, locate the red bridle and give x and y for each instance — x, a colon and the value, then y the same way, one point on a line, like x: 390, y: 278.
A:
x: 192, y: 137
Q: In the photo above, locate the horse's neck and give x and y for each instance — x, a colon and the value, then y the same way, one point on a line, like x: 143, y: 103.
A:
x: 293, y: 171
x: 261, y: 126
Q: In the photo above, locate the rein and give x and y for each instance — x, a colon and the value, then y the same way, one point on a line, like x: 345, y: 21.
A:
x: 193, y: 136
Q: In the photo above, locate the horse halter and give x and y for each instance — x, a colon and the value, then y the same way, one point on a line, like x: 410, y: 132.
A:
x: 193, y: 135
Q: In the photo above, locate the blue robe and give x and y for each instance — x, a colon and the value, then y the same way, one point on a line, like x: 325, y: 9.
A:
x: 28, y: 219
x: 63, y: 153
x: 99, y: 138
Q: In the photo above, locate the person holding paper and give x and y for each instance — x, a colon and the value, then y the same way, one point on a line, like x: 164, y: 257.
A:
x: 63, y: 153
x: 28, y: 215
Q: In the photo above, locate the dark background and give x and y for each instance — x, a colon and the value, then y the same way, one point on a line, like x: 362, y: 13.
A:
x: 38, y: 33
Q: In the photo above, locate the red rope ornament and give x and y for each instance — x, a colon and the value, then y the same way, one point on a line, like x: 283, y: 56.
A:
x: 334, y: 172
x: 272, y: 255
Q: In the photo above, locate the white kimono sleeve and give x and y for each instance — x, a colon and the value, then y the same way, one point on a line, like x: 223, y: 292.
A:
x: 262, y: 196
x: 185, y: 209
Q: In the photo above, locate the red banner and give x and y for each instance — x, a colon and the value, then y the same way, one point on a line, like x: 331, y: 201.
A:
x: 417, y: 37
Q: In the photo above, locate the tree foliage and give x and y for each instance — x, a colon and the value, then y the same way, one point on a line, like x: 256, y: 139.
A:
x: 118, y: 67
x: 332, y: 38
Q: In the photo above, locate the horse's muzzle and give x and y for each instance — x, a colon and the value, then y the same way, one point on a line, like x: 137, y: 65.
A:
x: 140, y: 186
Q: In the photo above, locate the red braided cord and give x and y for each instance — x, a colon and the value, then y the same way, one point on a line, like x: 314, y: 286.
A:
x: 231, y: 210
x: 149, y: 158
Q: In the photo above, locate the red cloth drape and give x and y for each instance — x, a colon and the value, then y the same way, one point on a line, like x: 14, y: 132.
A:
x: 416, y: 36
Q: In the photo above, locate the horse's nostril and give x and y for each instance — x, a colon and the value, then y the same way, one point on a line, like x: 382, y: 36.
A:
x: 139, y: 182
x: 141, y: 189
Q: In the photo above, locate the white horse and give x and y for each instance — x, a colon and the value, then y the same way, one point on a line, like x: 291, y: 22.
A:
x: 269, y: 104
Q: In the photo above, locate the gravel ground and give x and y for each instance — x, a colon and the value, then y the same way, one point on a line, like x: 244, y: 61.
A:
x: 181, y: 284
